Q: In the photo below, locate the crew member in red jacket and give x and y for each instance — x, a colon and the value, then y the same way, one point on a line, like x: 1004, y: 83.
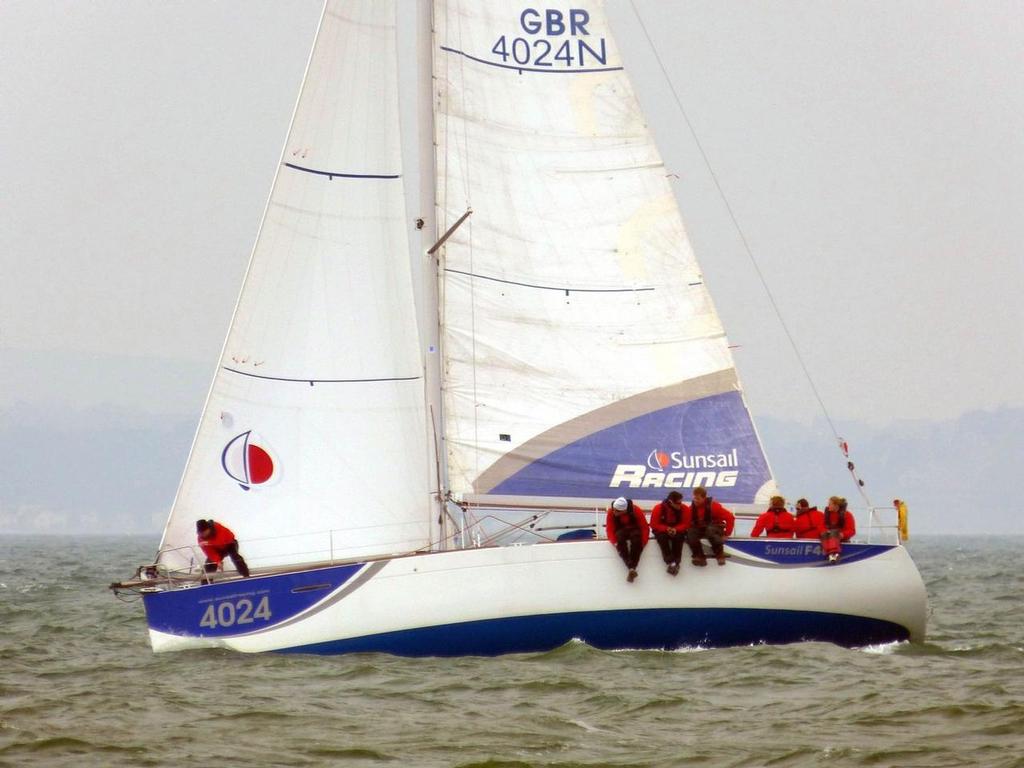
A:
x: 669, y: 521
x: 217, y: 542
x: 628, y: 532
x: 808, y: 523
x: 838, y: 526
x: 708, y: 520
x: 775, y: 521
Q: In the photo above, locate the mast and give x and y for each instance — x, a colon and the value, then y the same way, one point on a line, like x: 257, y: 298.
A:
x: 415, y: 43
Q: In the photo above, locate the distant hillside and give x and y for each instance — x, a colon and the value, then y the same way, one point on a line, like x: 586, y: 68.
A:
x: 116, y: 471
x: 97, y: 471
x: 958, y: 476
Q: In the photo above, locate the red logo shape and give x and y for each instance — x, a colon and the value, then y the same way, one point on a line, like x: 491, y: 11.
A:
x: 246, y: 462
x: 658, y: 459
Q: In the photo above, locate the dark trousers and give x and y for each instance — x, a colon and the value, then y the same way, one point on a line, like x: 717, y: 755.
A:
x: 231, y: 550
x: 713, y: 533
x: 671, y: 546
x: 630, y: 544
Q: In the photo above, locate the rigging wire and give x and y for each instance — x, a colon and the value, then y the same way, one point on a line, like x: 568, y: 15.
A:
x: 750, y: 254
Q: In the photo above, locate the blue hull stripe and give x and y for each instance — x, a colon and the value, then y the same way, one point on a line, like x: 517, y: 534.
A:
x: 799, y: 553
x: 660, y: 629
x: 236, y: 605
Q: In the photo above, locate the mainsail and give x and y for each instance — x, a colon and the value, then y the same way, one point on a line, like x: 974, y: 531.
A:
x: 317, y: 407
x: 583, y: 356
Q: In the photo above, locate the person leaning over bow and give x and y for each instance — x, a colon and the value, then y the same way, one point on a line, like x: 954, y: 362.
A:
x: 628, y: 532
x: 775, y: 521
x: 808, y: 522
x: 217, y: 542
x: 838, y: 526
x: 669, y: 522
x: 708, y: 520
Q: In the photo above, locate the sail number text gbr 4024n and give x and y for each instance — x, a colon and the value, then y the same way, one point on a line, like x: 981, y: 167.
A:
x: 568, y: 50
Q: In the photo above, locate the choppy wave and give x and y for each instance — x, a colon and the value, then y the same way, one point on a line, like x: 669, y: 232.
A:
x: 79, y: 686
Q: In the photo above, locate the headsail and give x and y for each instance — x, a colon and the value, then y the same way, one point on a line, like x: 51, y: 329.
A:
x: 582, y: 353
x: 316, y: 412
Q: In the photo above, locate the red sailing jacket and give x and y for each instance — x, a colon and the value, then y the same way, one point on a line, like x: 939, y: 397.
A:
x: 612, y: 524
x: 216, y: 546
x: 662, y: 510
x: 778, y: 524
x: 830, y: 520
x: 719, y: 516
x: 809, y: 524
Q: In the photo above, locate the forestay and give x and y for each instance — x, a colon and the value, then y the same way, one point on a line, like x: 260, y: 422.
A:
x: 318, y: 398
x: 583, y: 355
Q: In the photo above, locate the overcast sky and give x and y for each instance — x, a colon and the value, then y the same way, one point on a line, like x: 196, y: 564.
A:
x: 871, y: 151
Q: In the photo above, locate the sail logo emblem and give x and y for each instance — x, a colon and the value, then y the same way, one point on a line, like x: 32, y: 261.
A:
x: 248, y: 461
x: 658, y: 460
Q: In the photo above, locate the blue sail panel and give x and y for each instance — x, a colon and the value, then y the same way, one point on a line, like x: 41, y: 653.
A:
x: 709, y: 441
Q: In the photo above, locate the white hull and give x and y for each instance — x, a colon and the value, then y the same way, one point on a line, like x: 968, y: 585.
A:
x: 528, y: 598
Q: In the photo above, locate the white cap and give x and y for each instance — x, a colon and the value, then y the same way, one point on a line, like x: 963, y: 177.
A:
x: 620, y: 504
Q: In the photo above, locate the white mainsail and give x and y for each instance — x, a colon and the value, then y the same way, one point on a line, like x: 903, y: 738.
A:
x: 317, y: 408
x: 583, y: 356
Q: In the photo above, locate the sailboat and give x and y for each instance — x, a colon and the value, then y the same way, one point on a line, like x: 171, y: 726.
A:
x: 472, y: 318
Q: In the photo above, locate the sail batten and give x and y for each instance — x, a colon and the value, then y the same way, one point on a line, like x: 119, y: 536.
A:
x: 343, y: 174
x: 575, y: 288
x: 314, y: 380
x: 520, y: 68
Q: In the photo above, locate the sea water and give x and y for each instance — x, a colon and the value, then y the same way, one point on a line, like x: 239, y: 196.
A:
x: 79, y: 686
